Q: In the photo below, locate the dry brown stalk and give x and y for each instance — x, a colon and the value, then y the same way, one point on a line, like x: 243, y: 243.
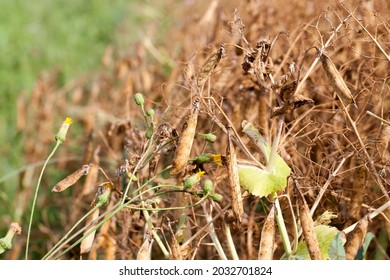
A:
x: 325, y: 186
x: 351, y: 14
x: 370, y: 163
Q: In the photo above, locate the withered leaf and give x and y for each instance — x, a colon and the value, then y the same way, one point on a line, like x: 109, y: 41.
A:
x: 287, y: 91
x: 297, y: 101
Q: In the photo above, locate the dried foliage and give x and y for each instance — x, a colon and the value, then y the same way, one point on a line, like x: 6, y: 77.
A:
x: 226, y: 61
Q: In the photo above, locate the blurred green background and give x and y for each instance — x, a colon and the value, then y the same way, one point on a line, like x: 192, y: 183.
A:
x: 44, y: 34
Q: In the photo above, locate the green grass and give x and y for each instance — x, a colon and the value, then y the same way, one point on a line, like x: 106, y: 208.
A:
x: 44, y: 34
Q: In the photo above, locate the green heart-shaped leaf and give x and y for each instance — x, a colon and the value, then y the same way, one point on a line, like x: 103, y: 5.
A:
x: 325, y: 235
x: 260, y: 182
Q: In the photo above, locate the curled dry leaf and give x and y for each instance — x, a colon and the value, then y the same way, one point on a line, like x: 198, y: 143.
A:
x: 297, y: 100
x: 287, y: 91
x: 307, y: 226
x: 337, y: 81
x: 267, y: 242
x: 186, y: 139
x: 71, y: 179
x: 262, y: 65
x: 356, y: 238
x: 234, y: 181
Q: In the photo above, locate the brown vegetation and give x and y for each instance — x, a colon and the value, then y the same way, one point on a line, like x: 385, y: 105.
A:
x: 269, y: 73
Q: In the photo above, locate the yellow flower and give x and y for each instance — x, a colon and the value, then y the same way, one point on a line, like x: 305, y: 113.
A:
x: 207, y: 158
x: 60, y: 136
x: 217, y: 159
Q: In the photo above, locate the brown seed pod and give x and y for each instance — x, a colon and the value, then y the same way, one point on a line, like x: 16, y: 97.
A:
x: 145, y: 251
x: 337, y: 81
x: 384, y: 143
x: 210, y: 64
x: 71, y: 179
x: 267, y: 242
x: 387, y: 223
x: 356, y: 238
x: 174, y: 244
x: 87, y: 242
x: 234, y: 181
x: 93, y: 174
x: 307, y: 225
x: 359, y: 184
x: 186, y: 139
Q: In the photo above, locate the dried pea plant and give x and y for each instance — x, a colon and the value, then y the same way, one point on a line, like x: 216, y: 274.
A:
x: 255, y: 144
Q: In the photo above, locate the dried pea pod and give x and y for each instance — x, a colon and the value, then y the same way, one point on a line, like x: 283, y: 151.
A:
x: 267, y: 242
x: 71, y: 179
x: 337, y: 81
x: 234, y: 181
x: 186, y: 139
x: 307, y: 224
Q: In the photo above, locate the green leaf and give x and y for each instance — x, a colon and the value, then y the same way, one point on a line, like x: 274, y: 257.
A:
x: 325, y: 235
x: 336, y: 250
x: 260, y: 182
x: 361, y: 254
x: 325, y: 218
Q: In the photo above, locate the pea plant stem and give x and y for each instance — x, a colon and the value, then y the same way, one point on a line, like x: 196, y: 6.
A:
x: 279, y: 215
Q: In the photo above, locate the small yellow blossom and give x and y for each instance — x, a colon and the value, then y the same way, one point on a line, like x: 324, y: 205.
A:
x: 60, y: 136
